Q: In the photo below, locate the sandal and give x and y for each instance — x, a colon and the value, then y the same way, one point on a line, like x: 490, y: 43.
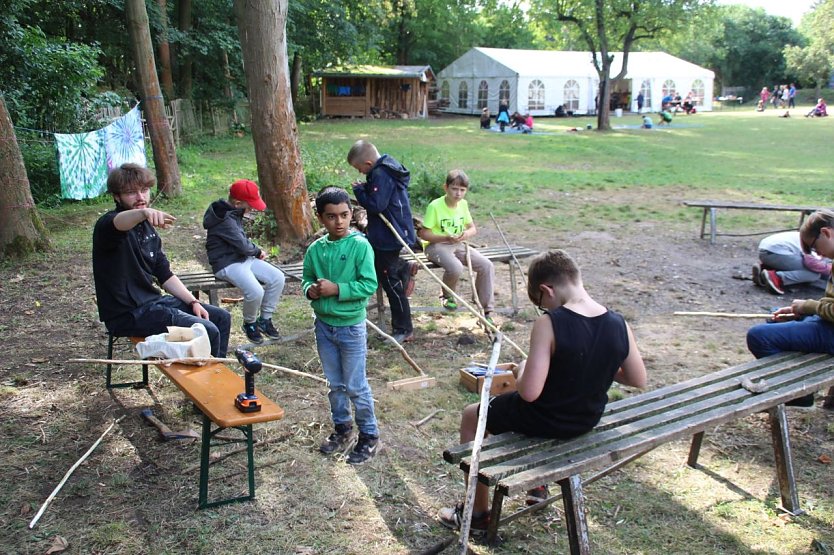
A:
x: 451, y: 517
x: 449, y: 303
x: 537, y: 495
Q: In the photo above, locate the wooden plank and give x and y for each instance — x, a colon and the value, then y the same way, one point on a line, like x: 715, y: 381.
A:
x: 748, y: 206
x: 455, y: 453
x: 213, y: 389
x: 410, y: 384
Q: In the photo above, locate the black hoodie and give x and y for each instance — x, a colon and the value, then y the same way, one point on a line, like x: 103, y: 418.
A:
x: 226, y: 242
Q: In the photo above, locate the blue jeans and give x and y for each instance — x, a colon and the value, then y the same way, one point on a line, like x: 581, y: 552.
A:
x: 810, y: 335
x: 155, y: 317
x: 343, y: 351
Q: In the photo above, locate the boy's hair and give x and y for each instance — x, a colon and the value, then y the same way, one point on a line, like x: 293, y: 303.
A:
x: 555, y: 268
x: 362, y: 151
x: 815, y: 223
x: 129, y: 178
x: 457, y: 177
x: 331, y: 195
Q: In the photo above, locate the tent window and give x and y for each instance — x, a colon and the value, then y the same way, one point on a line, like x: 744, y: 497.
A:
x: 669, y: 88
x: 483, y: 95
x: 535, y: 95
x: 698, y: 91
x: 504, y: 92
x: 444, y: 91
x: 646, y: 89
x: 572, y: 96
x: 463, y: 95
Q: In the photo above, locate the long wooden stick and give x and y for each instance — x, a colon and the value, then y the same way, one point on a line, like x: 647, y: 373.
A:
x: 509, y: 248
x: 472, y: 284
x: 191, y: 360
x: 393, y: 341
x: 446, y: 288
x: 724, y: 314
x: 69, y: 473
x: 474, y: 462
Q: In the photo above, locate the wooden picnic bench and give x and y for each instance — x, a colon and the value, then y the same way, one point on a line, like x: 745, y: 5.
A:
x: 711, y: 207
x: 512, y: 463
x: 206, y: 282
x: 213, y: 388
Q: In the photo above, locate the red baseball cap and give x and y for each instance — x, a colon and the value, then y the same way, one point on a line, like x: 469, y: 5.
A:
x: 247, y: 191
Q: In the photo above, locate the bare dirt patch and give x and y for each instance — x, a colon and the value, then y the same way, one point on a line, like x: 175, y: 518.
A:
x: 136, y: 494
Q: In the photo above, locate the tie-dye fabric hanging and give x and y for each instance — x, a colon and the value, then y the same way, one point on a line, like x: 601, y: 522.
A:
x: 124, y: 141
x: 82, y: 164
x: 85, y: 158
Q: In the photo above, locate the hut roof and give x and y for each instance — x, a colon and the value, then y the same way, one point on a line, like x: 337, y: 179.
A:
x: 423, y: 73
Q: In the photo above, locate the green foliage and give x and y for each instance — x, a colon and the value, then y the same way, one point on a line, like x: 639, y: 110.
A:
x: 41, y: 164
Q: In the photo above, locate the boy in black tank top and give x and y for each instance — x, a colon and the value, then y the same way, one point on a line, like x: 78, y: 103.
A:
x: 577, y: 349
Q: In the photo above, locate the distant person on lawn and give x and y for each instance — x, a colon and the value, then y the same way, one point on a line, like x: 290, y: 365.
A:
x: 782, y: 263
x: 577, y: 349
x: 807, y: 325
x: 338, y: 278
x: 446, y: 226
x: 236, y: 259
x: 819, y: 111
x: 128, y: 259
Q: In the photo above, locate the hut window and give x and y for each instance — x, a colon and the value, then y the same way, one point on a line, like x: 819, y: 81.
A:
x: 646, y: 89
x: 444, y: 91
x: 483, y: 95
x: 345, y: 86
x: 463, y: 95
x: 668, y: 88
x: 535, y: 95
x: 504, y: 92
x: 571, y: 96
x: 698, y: 90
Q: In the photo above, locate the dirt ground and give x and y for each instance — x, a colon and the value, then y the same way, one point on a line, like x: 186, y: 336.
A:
x: 136, y: 494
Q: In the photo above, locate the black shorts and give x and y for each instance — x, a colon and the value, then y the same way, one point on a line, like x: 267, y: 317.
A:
x: 508, y: 412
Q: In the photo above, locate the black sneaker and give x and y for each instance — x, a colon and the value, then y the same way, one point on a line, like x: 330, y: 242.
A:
x: 338, y: 440
x: 265, y: 326
x: 252, y: 333
x: 364, y: 450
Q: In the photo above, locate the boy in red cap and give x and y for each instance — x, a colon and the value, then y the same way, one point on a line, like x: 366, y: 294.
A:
x: 236, y: 259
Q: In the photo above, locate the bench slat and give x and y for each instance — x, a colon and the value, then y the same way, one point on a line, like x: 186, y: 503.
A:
x: 748, y: 206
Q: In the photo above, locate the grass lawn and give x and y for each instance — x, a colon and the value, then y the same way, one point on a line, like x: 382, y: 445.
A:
x: 587, y: 191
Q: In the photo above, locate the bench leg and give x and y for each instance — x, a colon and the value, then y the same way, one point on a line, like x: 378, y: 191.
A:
x: 108, y: 374
x: 380, y: 308
x: 703, y: 222
x: 513, y: 289
x: 828, y: 403
x: 695, y: 449
x: 712, y: 231
x: 495, y: 517
x: 205, y: 452
x: 784, y: 461
x: 580, y: 542
x: 213, y: 298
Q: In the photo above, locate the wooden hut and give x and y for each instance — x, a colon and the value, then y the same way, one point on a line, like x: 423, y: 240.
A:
x: 376, y: 91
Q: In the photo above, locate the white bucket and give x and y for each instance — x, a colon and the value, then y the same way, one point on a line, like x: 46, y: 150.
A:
x: 618, y: 112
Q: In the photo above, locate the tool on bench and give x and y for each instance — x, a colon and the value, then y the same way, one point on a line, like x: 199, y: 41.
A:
x: 164, y: 431
x: 248, y: 401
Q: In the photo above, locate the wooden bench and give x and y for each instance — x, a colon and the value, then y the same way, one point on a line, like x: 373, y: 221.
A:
x: 206, y: 282
x: 711, y: 207
x: 213, y: 388
x: 512, y: 463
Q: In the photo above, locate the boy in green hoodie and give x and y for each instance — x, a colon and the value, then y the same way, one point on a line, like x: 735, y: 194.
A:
x: 338, y: 278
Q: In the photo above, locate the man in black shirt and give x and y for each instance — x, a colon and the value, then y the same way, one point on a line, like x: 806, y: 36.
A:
x: 128, y: 258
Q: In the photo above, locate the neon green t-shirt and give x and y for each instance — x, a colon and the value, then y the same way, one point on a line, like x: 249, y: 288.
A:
x: 443, y: 220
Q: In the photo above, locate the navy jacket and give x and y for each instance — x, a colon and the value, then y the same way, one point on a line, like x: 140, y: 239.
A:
x: 226, y: 242
x: 386, y: 192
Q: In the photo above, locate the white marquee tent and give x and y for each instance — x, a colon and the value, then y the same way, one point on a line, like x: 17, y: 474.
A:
x: 538, y: 81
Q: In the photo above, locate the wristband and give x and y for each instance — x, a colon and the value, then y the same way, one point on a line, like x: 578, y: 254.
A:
x: 194, y: 301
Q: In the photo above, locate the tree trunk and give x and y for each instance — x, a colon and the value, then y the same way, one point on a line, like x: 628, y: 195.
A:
x: 186, y: 66
x: 604, y: 112
x: 263, y: 40
x: 162, y: 140
x: 165, y: 76
x: 295, y: 77
x: 21, y: 229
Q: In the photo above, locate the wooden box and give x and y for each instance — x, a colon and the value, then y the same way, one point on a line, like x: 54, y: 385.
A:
x: 503, y: 381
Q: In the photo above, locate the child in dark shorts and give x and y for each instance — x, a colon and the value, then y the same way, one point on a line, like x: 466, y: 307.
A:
x: 577, y: 349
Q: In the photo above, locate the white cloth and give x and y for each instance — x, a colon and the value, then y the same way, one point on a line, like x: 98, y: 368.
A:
x: 179, y: 342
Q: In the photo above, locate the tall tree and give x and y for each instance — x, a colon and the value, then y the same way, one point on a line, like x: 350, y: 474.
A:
x: 165, y: 73
x: 262, y: 26
x: 610, y: 25
x: 186, y: 66
x: 814, y: 63
x: 153, y: 106
x: 21, y: 229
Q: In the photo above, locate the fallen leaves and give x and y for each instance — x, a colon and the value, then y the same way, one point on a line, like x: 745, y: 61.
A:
x: 59, y: 544
x: 824, y: 459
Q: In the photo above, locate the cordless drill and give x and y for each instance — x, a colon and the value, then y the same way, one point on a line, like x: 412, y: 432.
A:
x: 248, y: 401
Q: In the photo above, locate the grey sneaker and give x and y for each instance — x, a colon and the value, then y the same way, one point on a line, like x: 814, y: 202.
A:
x: 338, y: 440
x: 252, y: 333
x: 364, y: 450
x: 757, y: 272
x: 266, y: 327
